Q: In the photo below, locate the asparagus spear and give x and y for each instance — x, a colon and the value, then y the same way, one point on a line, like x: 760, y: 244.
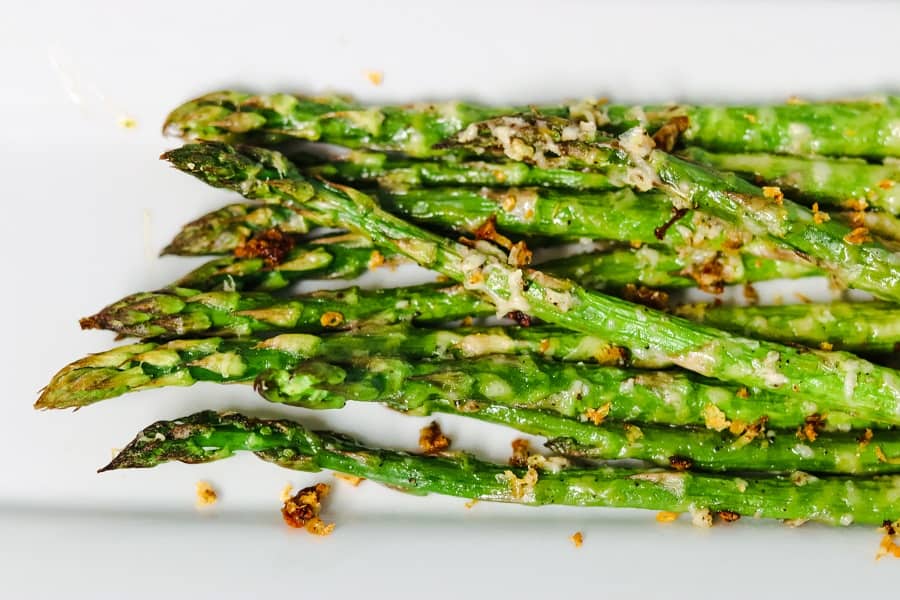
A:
x: 474, y: 391
x: 861, y: 127
x: 707, y: 351
x: 185, y: 361
x: 344, y: 257
x: 208, y: 436
x: 183, y: 312
x: 828, y: 181
x: 359, y: 167
x: 229, y: 227
x: 858, y: 326
x: 846, y: 254
x: 866, y: 128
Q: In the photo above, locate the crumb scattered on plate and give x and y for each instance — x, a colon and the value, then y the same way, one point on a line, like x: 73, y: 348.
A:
x: 351, y: 479
x: 432, y: 440
x: 471, y: 503
x: 666, y: 516
x: 206, y: 495
x: 577, y: 539
x: 375, y: 77
x: 888, y: 546
x: 286, y: 492
x: 301, y: 510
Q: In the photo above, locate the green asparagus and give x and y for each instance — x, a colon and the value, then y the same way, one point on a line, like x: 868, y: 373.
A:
x: 868, y: 128
x: 208, y: 436
x: 148, y: 365
x: 182, y: 312
x: 832, y: 182
x: 847, y: 254
x: 806, y: 375
x: 858, y: 326
x: 475, y: 391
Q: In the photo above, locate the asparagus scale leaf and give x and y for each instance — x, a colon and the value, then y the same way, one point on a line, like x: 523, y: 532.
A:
x: 210, y: 436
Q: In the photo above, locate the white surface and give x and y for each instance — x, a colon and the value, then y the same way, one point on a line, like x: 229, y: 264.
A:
x: 87, y: 207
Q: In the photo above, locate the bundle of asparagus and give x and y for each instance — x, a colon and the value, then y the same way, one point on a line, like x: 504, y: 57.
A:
x: 736, y: 410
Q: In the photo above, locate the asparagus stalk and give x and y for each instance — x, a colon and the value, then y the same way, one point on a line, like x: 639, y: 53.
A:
x: 359, y: 167
x: 865, y: 128
x: 229, y: 227
x: 208, y: 436
x: 182, y: 312
x: 148, y: 365
x: 477, y: 392
x: 707, y: 351
x: 858, y: 326
x: 846, y: 254
x: 829, y: 181
x: 345, y: 257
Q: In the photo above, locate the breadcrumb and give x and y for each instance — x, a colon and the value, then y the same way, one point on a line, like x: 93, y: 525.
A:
x: 886, y: 184
x: 743, y: 393
x: 432, y: 440
x: 855, y: 204
x: 888, y: 546
x: 286, y: 492
x: 577, y: 539
x: 714, y: 418
x: 827, y: 346
x: 701, y: 517
x: 520, y: 487
x: 819, y: 217
x: 331, y: 319
x: 206, y: 495
x: 811, y: 427
x: 858, y: 236
x: 773, y: 193
x: 521, y: 450
x: 597, y: 415
x: 729, y: 516
x: 375, y: 77
x: 883, y: 458
x: 376, y: 260
x: 666, y: 516
x: 864, y: 439
x: 302, y: 510
x: 471, y: 503
x: 351, y: 479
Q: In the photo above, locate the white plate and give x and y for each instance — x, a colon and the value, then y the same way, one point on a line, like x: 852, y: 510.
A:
x: 88, y: 206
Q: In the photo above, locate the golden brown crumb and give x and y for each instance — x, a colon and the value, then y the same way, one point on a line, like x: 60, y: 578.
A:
x: 441, y: 278
x: 811, y: 427
x: 467, y: 322
x: 888, y: 546
x: 286, y: 492
x: 432, y: 440
x: 544, y: 346
x: 773, y: 193
x: 855, y: 204
x: 521, y: 450
x: 680, y: 463
x: 331, y: 319
x: 499, y: 176
x: 597, y: 415
x: 206, y: 495
x: 827, y: 346
x: 375, y: 77
x: 508, y: 202
x: 488, y: 231
x: 612, y: 355
x: 666, y: 516
x: 743, y: 393
x: 818, y: 216
x: 635, y: 244
x: 859, y: 235
x: 714, y: 418
x: 271, y: 245
x: 302, y: 510
x: 752, y: 431
x: 882, y: 457
x: 577, y: 539
x: 749, y: 117
x: 521, y: 486
x: 376, y: 260
x: 471, y: 503
x: 666, y: 136
x: 864, y: 439
x: 737, y: 427
x: 886, y: 184
x: 520, y: 255
x: 476, y: 277
x: 729, y: 516
x: 351, y: 479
